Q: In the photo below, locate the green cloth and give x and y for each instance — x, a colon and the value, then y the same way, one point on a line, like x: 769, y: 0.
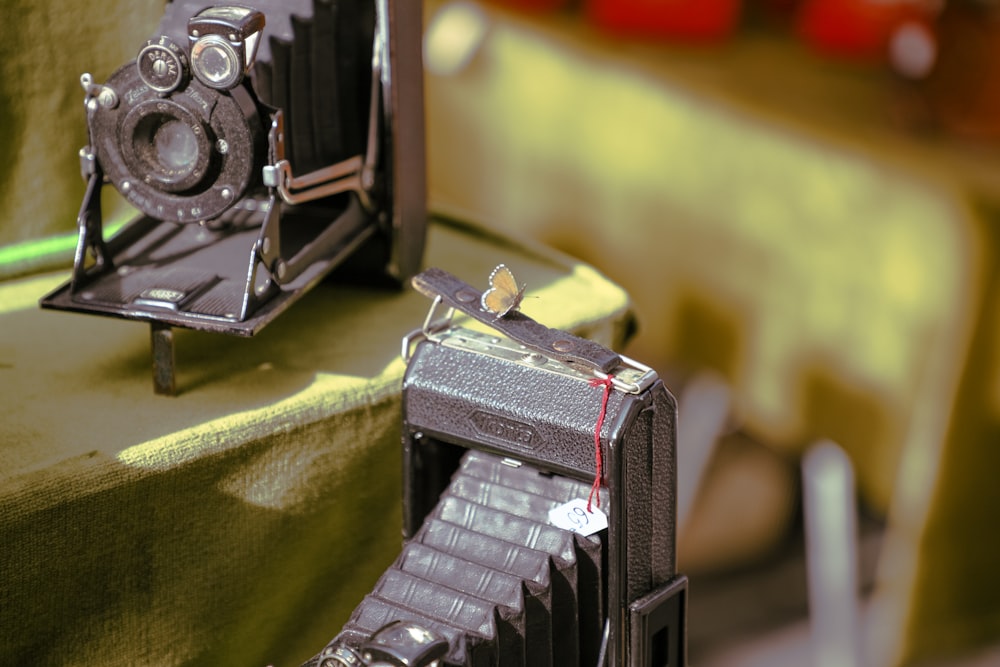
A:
x: 241, y: 521
x: 44, y: 48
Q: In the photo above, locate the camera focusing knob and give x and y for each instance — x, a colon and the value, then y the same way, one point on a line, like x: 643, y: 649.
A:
x: 404, y: 644
x: 162, y: 65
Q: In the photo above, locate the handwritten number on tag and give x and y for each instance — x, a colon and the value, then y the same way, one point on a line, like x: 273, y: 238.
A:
x: 574, y: 516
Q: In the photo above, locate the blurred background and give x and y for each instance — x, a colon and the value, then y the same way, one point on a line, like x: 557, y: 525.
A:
x: 801, y: 197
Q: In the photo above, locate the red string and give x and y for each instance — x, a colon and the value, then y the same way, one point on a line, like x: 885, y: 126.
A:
x: 598, y: 457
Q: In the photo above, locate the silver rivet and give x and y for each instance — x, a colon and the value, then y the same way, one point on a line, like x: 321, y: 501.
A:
x: 563, y: 345
x: 107, y: 98
x: 466, y: 296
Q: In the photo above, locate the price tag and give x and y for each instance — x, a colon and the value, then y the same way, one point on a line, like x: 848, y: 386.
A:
x: 574, y: 516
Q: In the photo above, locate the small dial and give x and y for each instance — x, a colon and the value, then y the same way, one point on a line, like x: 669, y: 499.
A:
x: 162, y: 65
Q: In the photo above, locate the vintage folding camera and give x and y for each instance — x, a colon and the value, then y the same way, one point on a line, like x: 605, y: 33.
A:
x: 264, y: 147
x: 510, y: 440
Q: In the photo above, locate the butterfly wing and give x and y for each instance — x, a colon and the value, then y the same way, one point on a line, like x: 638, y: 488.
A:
x: 503, y: 295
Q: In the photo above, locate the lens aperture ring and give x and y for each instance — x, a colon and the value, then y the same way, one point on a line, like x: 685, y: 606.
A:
x: 184, y: 156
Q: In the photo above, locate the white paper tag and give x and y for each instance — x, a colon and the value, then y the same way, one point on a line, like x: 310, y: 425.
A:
x: 574, y: 516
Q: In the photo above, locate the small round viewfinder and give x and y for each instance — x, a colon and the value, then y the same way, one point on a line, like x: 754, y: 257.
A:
x: 215, y: 62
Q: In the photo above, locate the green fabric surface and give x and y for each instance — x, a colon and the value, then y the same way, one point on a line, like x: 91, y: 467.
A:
x: 239, y: 522
x: 44, y: 48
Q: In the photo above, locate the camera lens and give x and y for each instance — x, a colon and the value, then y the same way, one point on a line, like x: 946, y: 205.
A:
x: 176, y: 147
x: 168, y: 151
x: 166, y: 146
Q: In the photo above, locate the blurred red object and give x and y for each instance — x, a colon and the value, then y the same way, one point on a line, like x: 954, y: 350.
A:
x: 686, y: 20
x: 859, y: 29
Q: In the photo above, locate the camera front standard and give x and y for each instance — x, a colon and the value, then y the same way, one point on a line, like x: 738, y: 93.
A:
x: 264, y: 147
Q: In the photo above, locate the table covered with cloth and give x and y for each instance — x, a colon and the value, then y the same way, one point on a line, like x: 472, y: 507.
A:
x: 241, y: 521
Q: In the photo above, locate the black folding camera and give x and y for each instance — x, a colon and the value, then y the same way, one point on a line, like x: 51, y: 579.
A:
x: 506, y: 438
x: 260, y: 157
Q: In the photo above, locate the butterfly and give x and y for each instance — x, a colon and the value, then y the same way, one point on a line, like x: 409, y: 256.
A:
x: 503, y: 295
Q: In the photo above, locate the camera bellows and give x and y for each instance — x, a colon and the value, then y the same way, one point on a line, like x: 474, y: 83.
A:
x: 316, y: 66
x: 491, y: 575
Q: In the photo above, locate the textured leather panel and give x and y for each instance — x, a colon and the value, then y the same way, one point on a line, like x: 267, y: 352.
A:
x: 506, y: 408
x: 664, y: 498
x: 636, y: 484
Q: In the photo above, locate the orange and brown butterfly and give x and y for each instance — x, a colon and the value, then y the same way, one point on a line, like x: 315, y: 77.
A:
x: 504, y: 295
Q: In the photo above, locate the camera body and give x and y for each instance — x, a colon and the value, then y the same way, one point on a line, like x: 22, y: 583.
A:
x: 180, y: 132
x: 499, y: 436
x: 264, y: 147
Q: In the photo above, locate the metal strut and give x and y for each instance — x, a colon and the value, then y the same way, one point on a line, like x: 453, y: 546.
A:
x: 164, y: 368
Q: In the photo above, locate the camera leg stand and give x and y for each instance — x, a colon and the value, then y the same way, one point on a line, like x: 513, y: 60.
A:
x: 92, y: 254
x: 164, y: 376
